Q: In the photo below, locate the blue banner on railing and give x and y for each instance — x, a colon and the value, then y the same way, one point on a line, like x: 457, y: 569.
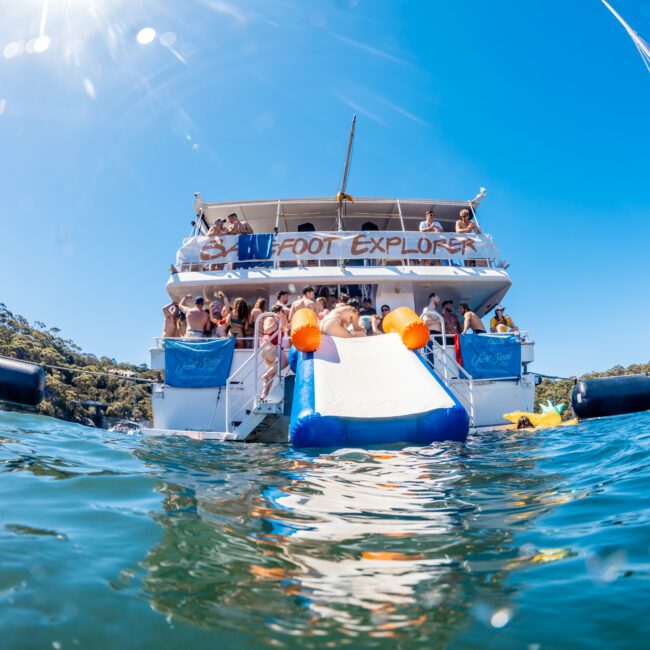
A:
x: 487, y: 356
x: 198, y: 364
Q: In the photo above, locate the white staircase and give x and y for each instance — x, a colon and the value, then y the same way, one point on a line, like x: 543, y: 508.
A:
x: 454, y: 376
x: 244, y: 408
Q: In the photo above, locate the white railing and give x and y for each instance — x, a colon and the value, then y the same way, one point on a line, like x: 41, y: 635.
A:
x: 456, y: 378
x: 239, y: 402
x: 160, y: 340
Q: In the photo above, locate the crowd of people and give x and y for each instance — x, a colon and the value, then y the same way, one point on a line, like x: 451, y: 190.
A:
x: 499, y: 323
x: 339, y: 315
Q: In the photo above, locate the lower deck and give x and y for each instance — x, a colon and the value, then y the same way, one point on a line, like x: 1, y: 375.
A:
x: 234, y: 412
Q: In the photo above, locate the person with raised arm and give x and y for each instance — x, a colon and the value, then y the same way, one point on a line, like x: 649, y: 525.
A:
x: 170, y: 326
x: 197, y: 318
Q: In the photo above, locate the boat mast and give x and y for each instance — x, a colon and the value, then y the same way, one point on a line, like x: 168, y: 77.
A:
x: 342, y: 196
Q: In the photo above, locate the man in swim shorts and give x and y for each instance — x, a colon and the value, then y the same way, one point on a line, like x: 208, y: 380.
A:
x: 197, y: 319
x: 471, y: 320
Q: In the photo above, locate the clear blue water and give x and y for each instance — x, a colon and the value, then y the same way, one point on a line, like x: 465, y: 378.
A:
x: 514, y: 540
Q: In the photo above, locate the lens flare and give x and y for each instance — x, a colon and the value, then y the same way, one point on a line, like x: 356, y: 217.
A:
x: 146, y: 35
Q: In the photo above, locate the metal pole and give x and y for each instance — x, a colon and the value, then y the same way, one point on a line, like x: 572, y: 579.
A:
x: 346, y: 171
x: 276, y: 228
x: 401, y: 220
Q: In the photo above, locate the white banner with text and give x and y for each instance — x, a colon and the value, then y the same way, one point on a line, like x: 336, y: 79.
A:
x: 372, y: 245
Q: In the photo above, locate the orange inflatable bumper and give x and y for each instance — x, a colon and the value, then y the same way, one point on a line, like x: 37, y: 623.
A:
x: 305, y: 332
x: 411, y: 328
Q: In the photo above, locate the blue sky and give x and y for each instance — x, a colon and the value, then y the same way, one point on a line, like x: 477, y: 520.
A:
x: 105, y: 139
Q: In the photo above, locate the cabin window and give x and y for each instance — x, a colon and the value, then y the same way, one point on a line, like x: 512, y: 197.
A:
x: 369, y: 225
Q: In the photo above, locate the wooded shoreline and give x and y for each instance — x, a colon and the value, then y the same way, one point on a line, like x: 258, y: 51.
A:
x: 113, y: 385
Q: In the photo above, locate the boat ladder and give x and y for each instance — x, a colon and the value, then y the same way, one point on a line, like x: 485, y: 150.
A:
x: 454, y: 376
x: 245, y: 409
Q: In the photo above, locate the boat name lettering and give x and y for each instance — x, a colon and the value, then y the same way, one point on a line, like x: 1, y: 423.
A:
x: 344, y: 245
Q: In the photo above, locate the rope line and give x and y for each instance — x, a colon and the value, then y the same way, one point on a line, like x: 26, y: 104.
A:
x: 82, y: 370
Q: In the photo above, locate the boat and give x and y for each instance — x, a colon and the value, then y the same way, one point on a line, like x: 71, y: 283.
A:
x: 370, y: 247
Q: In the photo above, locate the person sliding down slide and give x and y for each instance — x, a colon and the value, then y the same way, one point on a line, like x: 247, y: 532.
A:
x: 341, y: 322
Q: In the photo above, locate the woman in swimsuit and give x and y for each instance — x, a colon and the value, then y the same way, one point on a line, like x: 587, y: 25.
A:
x: 259, y: 308
x: 273, y: 336
x: 340, y: 322
x: 237, y: 321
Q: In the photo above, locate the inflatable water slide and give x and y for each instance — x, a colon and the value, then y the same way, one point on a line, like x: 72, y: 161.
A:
x: 352, y: 392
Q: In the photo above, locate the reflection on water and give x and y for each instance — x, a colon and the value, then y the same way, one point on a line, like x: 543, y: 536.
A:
x: 350, y: 544
x: 516, y: 539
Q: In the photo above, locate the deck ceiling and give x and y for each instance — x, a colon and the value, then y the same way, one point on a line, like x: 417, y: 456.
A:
x: 321, y: 213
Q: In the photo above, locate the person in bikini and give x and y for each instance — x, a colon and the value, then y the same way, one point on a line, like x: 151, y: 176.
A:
x: 219, y: 310
x: 258, y: 309
x: 197, y: 318
x: 471, y: 320
x: 340, y: 322
x: 273, y: 337
x: 237, y: 322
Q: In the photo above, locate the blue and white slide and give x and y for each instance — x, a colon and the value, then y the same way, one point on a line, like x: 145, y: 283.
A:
x: 370, y: 391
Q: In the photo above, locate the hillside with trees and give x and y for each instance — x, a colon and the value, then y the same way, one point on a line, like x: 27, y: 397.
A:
x: 66, y: 387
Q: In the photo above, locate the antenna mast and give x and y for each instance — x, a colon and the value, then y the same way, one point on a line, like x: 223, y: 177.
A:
x: 342, y: 196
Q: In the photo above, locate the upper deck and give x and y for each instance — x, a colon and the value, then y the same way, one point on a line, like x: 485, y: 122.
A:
x: 322, y: 214
x: 365, y: 241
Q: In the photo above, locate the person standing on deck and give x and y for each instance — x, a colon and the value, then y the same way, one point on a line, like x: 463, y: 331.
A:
x: 452, y: 326
x: 237, y: 227
x: 432, y: 322
x: 170, y: 326
x: 429, y: 225
x: 465, y: 225
x: 197, y: 319
x: 282, y: 299
x: 306, y: 302
x: 471, y: 320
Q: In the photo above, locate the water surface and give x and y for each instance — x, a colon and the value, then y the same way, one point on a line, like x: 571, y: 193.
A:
x: 514, y: 540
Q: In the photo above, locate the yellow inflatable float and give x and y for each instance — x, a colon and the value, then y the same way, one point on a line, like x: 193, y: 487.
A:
x: 538, y: 420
